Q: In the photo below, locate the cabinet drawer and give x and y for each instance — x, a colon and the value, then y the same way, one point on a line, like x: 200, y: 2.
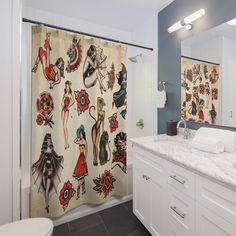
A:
x: 148, y: 156
x: 175, y: 230
x: 208, y: 223
x: 181, y: 212
x: 217, y: 198
x: 150, y: 170
x: 181, y: 179
x: 140, y: 163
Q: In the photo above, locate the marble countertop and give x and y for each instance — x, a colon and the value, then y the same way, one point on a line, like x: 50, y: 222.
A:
x: 220, y: 167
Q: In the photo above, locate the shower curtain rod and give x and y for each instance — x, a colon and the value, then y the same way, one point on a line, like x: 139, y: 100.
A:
x: 86, y: 34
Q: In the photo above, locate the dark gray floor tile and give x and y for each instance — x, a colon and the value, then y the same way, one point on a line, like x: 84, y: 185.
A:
x: 140, y: 232
x: 129, y: 206
x: 61, y: 230
x: 84, y: 223
x: 98, y: 230
x: 119, y: 221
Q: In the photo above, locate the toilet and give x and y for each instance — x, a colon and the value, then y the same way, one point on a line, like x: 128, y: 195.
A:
x: 28, y: 227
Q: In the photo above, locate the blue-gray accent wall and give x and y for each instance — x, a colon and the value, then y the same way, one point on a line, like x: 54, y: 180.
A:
x: 169, y: 47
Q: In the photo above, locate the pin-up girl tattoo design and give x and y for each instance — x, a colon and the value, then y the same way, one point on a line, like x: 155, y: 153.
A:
x: 208, y: 94
x: 120, y: 154
x: 94, y: 66
x: 97, y: 128
x: 52, y: 72
x: 67, y: 102
x: 46, y: 171
x: 120, y: 96
x: 81, y: 168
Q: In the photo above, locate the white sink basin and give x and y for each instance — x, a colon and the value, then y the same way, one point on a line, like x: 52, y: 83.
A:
x: 168, y: 141
x: 172, y: 145
x: 171, y: 142
x: 234, y: 165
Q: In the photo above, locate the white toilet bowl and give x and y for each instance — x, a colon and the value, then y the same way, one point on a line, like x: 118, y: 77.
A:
x: 28, y: 227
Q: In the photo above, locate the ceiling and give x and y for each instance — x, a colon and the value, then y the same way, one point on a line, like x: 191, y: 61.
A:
x: 119, y: 14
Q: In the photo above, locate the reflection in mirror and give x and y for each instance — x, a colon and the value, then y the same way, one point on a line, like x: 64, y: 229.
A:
x: 208, y: 76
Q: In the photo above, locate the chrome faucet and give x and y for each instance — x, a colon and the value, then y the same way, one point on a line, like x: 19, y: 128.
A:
x: 186, y: 130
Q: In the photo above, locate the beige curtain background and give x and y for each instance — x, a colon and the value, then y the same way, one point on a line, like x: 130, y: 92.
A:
x: 78, y: 107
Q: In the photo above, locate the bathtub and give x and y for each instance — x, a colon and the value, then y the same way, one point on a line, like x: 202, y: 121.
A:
x: 81, y: 210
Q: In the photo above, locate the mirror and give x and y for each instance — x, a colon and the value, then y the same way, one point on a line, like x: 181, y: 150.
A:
x: 208, y: 76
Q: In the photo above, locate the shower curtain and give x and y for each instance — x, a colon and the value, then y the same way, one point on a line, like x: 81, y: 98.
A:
x: 79, y: 106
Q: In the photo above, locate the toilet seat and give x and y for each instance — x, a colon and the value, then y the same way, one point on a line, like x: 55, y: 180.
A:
x: 28, y: 227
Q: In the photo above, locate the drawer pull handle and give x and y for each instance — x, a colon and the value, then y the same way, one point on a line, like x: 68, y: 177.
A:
x: 174, y: 177
x: 182, y: 215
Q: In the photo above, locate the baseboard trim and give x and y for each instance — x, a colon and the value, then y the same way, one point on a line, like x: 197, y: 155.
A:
x: 91, y: 209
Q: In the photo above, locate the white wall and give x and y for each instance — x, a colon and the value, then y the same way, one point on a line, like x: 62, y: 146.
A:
x: 75, y: 24
x: 6, y: 112
x: 229, y: 82
x: 185, y: 50
x: 10, y: 110
x: 208, y: 50
x: 143, y: 83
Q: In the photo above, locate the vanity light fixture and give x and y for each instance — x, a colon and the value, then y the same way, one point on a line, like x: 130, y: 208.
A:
x: 178, y: 25
x: 232, y: 22
x: 189, y: 26
x: 187, y: 21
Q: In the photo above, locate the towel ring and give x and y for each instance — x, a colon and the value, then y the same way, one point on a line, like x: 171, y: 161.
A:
x: 163, y: 83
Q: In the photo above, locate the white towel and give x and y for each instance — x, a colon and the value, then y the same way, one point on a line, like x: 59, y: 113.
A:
x: 207, y: 144
x: 227, y: 137
x: 161, y: 99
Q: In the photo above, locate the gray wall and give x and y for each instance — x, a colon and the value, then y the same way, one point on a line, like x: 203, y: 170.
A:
x: 169, y: 47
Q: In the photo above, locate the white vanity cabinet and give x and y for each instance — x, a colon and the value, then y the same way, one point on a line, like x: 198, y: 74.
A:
x: 180, y: 201
x: 173, y: 201
x: 209, y: 223
x: 149, y: 193
x: 216, y: 209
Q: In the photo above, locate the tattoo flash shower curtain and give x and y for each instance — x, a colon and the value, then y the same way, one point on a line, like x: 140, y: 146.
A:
x: 79, y: 105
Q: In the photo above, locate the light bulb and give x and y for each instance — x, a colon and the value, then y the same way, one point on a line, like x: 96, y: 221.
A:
x: 189, y: 19
x: 189, y: 26
x: 232, y: 22
x: 175, y: 27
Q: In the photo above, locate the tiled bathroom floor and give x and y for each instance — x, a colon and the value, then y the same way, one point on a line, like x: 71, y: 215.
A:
x: 115, y: 221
